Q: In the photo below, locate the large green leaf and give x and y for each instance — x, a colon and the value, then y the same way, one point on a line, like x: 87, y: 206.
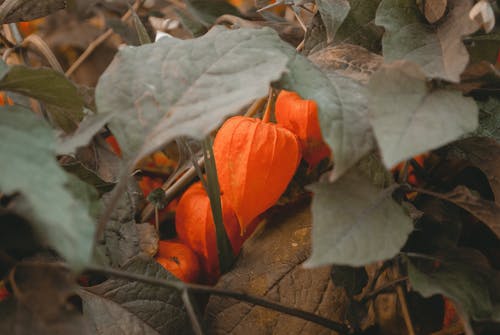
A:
x: 408, y: 117
x: 462, y: 275
x: 342, y: 110
x: 64, y: 104
x: 355, y: 223
x: 172, y: 88
x: 28, y: 165
x: 437, y: 49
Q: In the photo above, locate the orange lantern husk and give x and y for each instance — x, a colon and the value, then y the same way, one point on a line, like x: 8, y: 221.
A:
x: 301, y: 117
x: 179, y: 260
x: 255, y: 163
x: 195, y: 227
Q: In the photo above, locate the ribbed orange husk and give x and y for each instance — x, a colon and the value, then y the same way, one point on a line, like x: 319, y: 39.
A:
x: 5, y: 100
x: 412, y: 178
x: 301, y: 117
x: 195, y: 226
x: 255, y: 162
x: 179, y: 259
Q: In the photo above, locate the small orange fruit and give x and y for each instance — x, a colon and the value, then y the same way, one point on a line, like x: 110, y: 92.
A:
x: 179, y: 259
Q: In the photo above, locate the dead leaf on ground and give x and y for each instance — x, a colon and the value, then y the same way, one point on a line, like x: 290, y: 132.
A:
x: 271, y: 266
x: 483, y: 153
x: 43, y: 303
x: 348, y: 60
x: 486, y: 211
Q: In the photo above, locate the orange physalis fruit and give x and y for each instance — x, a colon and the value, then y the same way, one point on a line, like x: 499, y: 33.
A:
x: 179, y: 259
x: 195, y: 227
x: 301, y: 117
x: 412, y: 178
x: 450, y: 313
x: 113, y: 143
x: 5, y: 99
x: 4, y: 293
x: 148, y: 184
x: 255, y: 163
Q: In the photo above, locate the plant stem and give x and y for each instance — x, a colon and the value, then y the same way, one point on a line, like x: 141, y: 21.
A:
x: 224, y: 248
x: 263, y: 302
x: 99, y: 40
x: 267, y: 113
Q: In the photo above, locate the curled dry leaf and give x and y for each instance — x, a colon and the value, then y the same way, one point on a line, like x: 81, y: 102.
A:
x: 255, y: 163
x: 301, y: 117
x: 483, y: 14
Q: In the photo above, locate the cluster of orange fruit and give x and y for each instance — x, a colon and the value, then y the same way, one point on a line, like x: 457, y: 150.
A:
x: 255, y: 161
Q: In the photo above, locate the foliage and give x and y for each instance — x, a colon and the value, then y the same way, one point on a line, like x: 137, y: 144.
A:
x: 394, y: 112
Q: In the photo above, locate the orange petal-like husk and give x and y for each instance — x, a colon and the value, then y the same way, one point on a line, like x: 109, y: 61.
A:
x: 255, y: 162
x: 195, y: 226
x: 301, y: 117
x: 179, y: 259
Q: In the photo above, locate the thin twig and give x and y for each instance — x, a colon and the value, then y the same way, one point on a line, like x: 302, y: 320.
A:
x: 101, y: 39
x: 404, y: 306
x: 172, y: 191
x: 6, y: 42
x: 256, y: 106
x: 382, y: 289
x: 267, y: 114
x: 263, y: 302
x: 40, y: 44
x: 195, y: 322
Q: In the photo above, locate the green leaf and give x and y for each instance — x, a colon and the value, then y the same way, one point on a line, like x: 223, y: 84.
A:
x: 489, y: 119
x: 207, y: 11
x: 437, y: 49
x: 410, y: 118
x: 86, y: 130
x: 135, y: 305
x: 188, y: 86
x: 28, y: 165
x: 64, y: 104
x: 462, y: 275
x: 359, y: 28
x: 355, y: 223
x: 343, y: 113
x: 333, y: 13
x: 27, y: 10
x: 142, y: 33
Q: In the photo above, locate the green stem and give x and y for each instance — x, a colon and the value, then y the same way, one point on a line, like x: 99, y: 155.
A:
x: 224, y: 249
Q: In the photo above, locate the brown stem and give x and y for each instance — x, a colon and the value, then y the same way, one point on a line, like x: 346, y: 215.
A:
x: 267, y: 113
x: 99, y: 40
x: 263, y: 302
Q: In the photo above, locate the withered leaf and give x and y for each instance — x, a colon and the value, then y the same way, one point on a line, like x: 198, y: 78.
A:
x: 486, y: 211
x: 349, y: 60
x: 483, y: 153
x: 43, y: 306
x: 136, y: 308
x: 270, y: 266
x: 27, y: 10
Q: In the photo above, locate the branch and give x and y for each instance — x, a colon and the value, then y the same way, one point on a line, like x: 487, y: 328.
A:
x: 99, y: 40
x: 263, y: 302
